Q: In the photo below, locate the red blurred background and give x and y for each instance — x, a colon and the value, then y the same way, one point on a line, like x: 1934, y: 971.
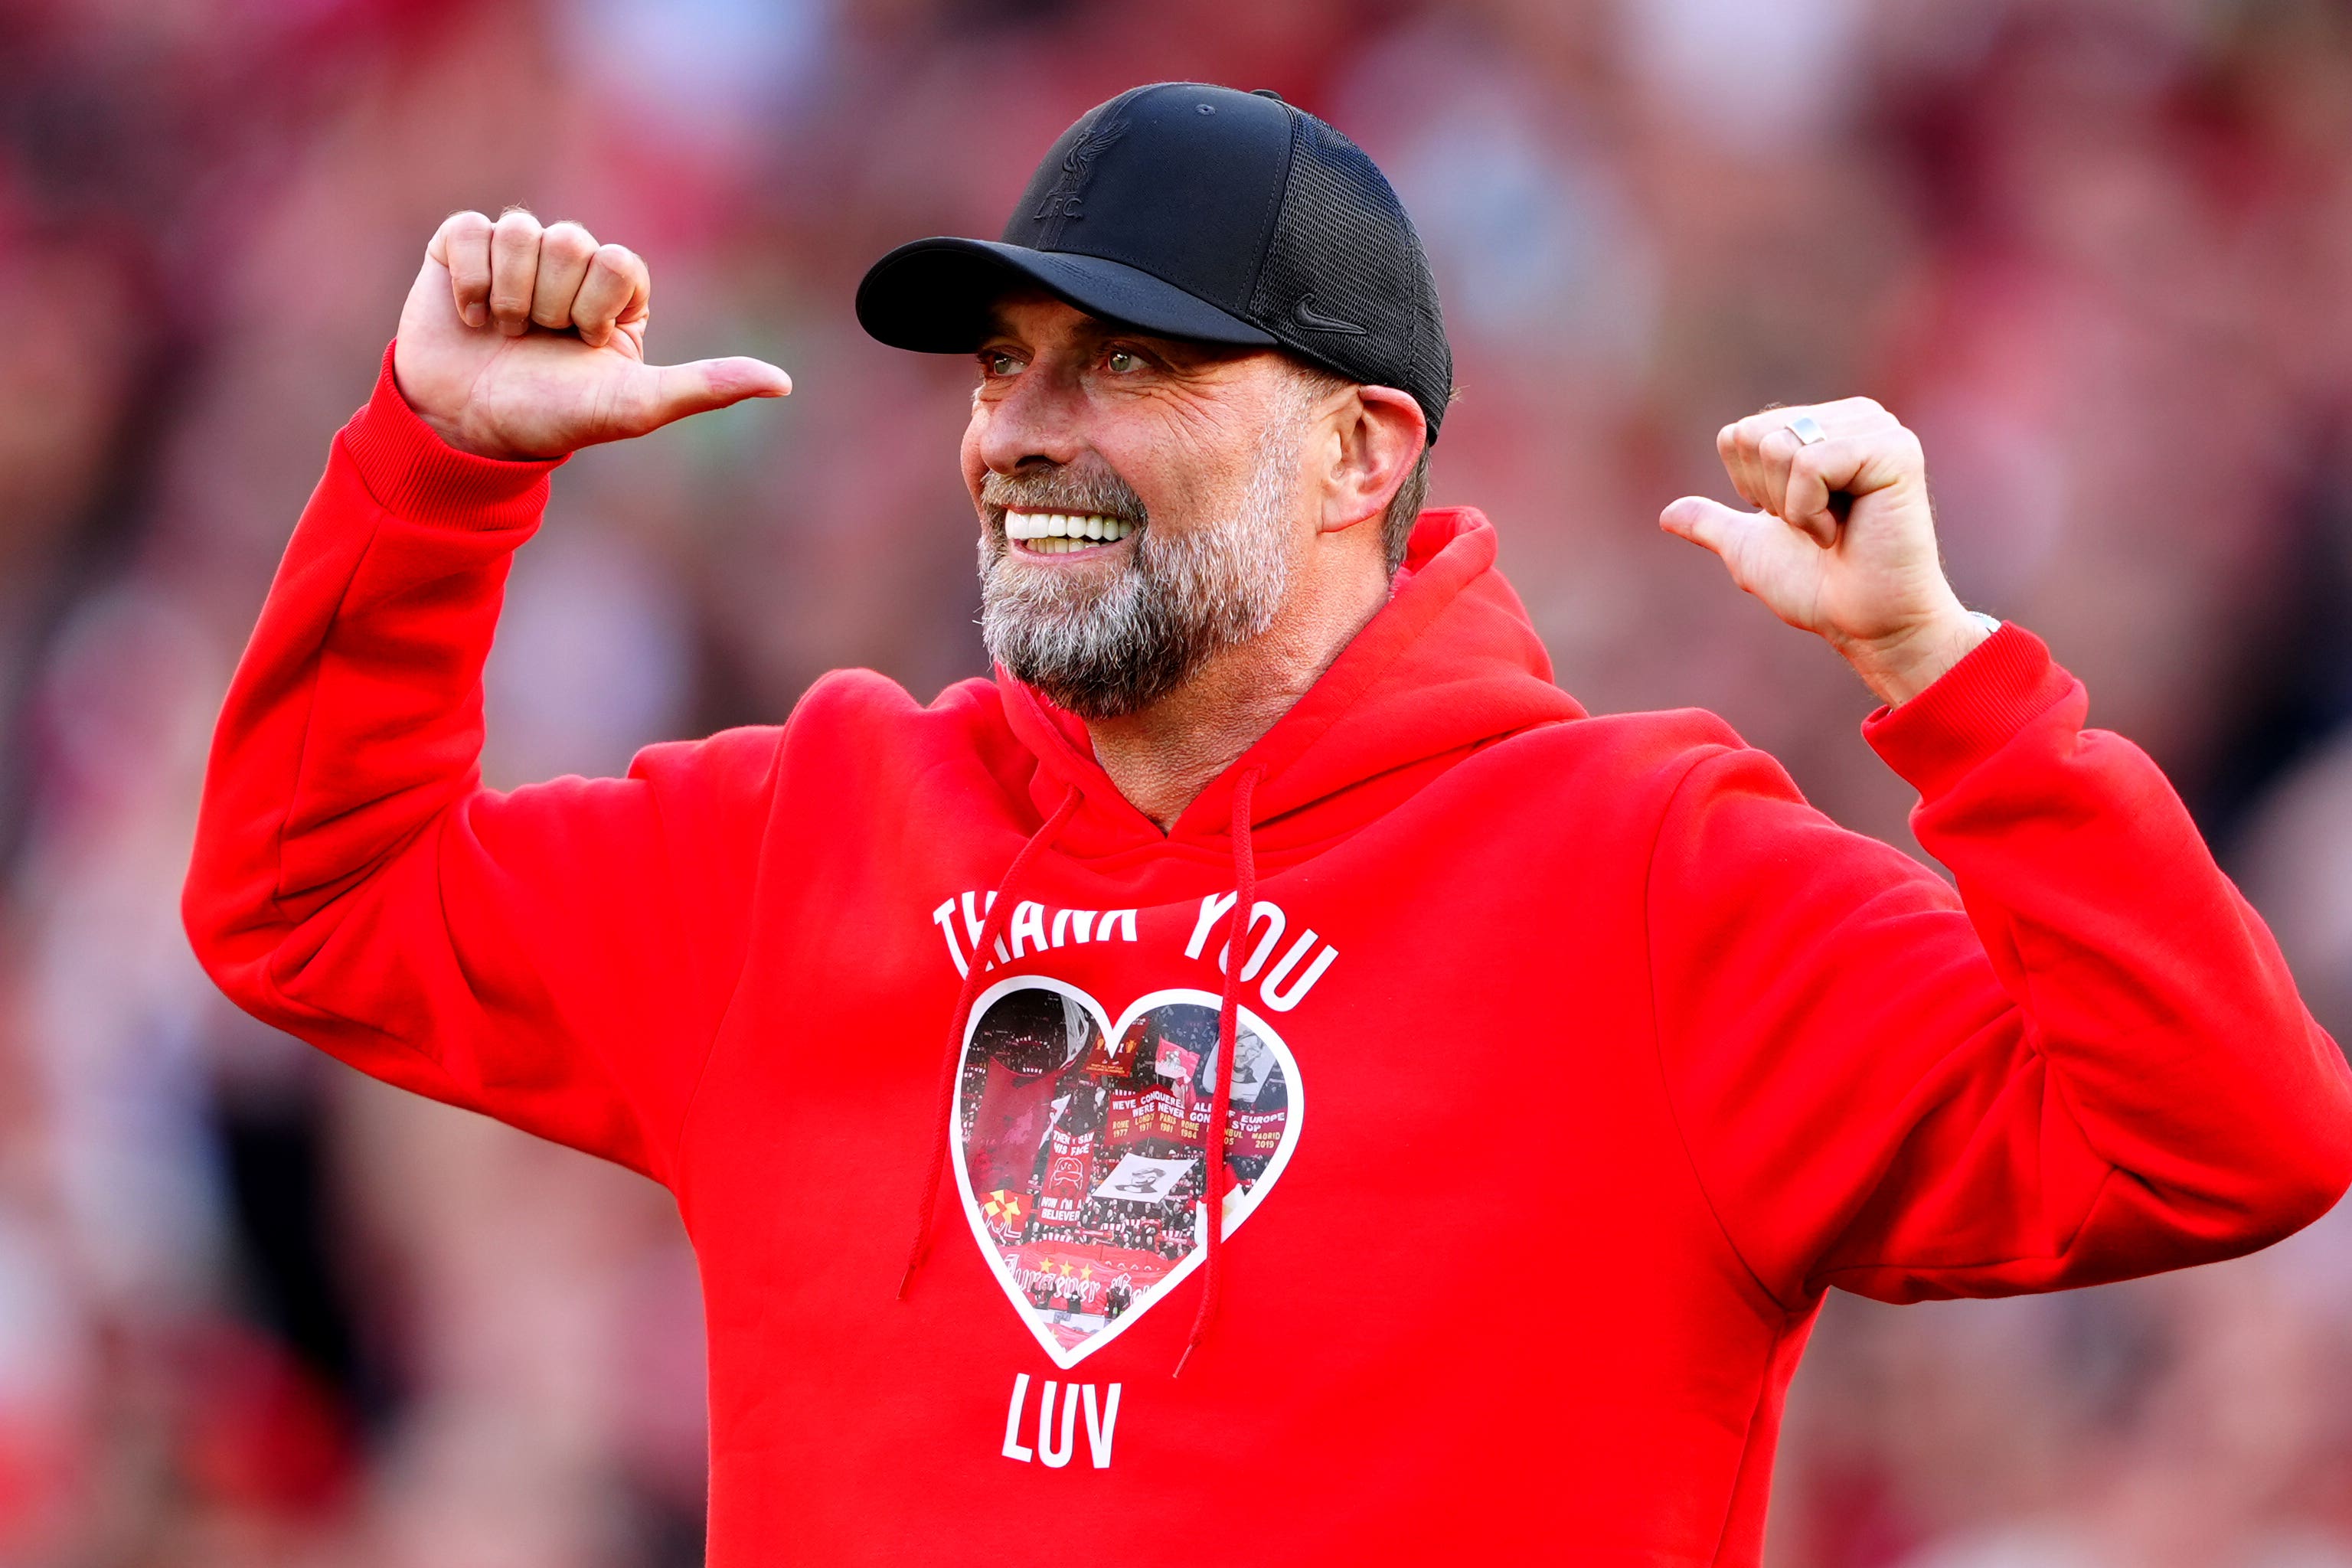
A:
x: 257, y: 1310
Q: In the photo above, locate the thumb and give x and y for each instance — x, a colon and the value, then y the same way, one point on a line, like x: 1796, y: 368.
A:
x: 675, y: 391
x: 1704, y: 522
x: 1764, y: 555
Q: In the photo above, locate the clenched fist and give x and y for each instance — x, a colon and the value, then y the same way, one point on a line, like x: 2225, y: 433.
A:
x: 519, y: 341
x: 1843, y: 542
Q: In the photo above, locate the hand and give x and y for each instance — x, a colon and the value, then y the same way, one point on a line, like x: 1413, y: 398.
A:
x: 1869, y: 582
x: 523, y: 342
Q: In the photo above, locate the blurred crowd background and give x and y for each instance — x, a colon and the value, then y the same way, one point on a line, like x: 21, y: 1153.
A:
x: 257, y: 1310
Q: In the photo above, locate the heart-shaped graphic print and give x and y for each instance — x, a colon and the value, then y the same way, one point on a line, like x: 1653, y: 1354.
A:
x: 1078, y: 1148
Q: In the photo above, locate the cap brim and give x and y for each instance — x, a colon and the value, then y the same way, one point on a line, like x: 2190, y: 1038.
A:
x: 935, y: 296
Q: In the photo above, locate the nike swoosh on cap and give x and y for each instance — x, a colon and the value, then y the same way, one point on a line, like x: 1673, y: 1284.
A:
x: 1310, y: 316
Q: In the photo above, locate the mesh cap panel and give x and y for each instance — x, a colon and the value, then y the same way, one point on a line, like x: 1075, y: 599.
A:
x: 1344, y: 256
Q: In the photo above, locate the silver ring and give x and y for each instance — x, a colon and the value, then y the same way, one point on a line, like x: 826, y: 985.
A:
x: 1807, y: 430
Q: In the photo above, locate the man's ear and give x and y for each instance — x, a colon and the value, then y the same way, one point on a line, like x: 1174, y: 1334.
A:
x: 1381, y: 436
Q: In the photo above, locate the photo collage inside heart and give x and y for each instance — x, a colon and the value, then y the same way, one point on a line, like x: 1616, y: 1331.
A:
x: 1078, y: 1148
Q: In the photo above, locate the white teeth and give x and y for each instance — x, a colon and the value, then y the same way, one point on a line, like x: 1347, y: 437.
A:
x: 1058, y: 533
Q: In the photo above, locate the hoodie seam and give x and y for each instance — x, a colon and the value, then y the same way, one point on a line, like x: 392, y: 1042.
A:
x: 1657, y: 1030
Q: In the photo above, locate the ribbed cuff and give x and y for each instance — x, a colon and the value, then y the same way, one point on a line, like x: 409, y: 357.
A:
x: 414, y: 475
x: 1969, y: 711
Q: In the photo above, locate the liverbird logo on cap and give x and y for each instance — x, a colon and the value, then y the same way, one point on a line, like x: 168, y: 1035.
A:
x: 1063, y: 199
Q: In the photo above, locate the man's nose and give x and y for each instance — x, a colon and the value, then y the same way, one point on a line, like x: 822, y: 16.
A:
x: 1038, y: 419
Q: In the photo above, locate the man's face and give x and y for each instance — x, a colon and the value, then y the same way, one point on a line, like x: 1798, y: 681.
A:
x: 1139, y: 499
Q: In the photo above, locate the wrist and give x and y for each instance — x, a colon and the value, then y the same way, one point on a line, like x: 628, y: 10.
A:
x: 452, y: 435
x: 1900, y: 668
x: 409, y: 469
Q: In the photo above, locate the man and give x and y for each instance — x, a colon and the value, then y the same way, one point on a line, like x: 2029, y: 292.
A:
x: 1596, y: 1004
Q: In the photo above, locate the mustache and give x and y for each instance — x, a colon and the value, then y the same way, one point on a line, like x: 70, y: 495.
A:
x: 1090, y: 491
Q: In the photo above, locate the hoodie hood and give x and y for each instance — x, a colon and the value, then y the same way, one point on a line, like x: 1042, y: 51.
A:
x: 1451, y: 662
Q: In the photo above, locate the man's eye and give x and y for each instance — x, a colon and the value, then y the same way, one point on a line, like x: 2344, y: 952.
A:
x: 995, y: 362
x: 1121, y: 360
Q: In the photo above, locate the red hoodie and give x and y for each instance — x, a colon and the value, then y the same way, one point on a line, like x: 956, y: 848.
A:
x: 1578, y: 1055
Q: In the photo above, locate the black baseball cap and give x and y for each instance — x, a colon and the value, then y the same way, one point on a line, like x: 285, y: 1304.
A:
x: 1197, y: 211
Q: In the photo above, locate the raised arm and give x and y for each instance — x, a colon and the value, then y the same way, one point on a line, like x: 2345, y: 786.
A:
x: 2090, y: 1063
x: 558, y: 956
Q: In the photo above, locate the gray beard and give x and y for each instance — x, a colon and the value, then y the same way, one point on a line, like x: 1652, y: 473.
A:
x: 1103, y: 649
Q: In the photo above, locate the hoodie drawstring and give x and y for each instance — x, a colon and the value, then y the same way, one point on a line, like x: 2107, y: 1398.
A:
x: 1229, y: 1034
x: 991, y: 929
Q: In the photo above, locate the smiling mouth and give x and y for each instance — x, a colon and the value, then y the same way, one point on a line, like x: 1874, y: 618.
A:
x: 1063, y: 533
